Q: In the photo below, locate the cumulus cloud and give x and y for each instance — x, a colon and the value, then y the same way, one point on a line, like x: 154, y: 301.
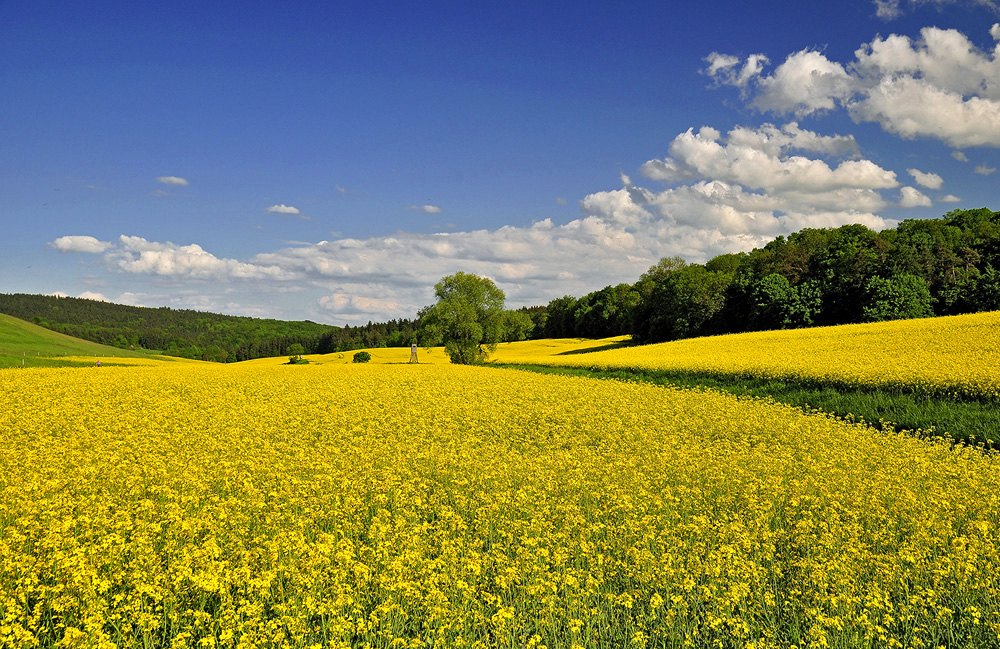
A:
x: 357, y: 306
x: 619, y: 234
x: 716, y: 201
x: 928, y: 180
x: 80, y: 243
x: 716, y: 193
x: 805, y: 83
x: 763, y: 159
x: 283, y: 209
x: 90, y: 295
x: 137, y: 255
x: 940, y: 86
x: 983, y: 170
x: 172, y: 180
x: 720, y: 64
x: 958, y: 155
x: 726, y: 68
x: 911, y: 197
x: 887, y: 9
x: 949, y: 198
x: 892, y: 9
x: 429, y: 209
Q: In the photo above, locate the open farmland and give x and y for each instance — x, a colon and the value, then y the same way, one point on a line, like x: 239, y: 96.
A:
x: 379, y: 505
x: 951, y: 356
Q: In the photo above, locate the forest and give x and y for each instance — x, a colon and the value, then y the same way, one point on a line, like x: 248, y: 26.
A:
x: 197, y: 334
x: 814, y: 277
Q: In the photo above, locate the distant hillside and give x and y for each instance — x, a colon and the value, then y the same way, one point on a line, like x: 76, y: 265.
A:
x: 23, y: 344
x: 196, y: 334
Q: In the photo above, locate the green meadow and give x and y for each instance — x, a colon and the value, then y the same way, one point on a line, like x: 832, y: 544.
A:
x: 23, y: 344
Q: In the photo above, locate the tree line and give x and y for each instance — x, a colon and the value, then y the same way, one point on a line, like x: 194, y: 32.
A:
x: 196, y: 334
x: 814, y: 277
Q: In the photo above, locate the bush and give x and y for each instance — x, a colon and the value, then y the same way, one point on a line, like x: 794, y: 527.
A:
x: 362, y: 357
x: 295, y: 353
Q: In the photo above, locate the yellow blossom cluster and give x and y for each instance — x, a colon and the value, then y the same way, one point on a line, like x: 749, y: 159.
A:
x: 957, y: 355
x: 392, y: 355
x: 395, y: 505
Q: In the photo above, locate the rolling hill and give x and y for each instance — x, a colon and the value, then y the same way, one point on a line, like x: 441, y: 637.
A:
x: 23, y: 344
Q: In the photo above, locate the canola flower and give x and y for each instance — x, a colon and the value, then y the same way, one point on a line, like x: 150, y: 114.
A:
x: 956, y: 355
x: 127, y: 361
x: 379, y: 355
x: 394, y: 505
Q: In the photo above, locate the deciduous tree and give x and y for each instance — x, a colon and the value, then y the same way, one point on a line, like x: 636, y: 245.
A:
x: 468, y: 318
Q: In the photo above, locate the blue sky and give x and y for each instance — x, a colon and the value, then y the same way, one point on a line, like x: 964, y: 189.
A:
x: 332, y: 161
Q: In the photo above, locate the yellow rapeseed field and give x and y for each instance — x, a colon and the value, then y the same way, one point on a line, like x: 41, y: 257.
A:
x: 395, y: 505
x: 951, y: 355
x: 379, y: 355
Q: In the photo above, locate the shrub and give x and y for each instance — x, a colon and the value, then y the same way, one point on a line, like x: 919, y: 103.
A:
x: 295, y: 352
x: 362, y: 357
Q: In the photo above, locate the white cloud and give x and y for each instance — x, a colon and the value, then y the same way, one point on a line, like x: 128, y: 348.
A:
x: 911, y: 108
x: 720, y: 63
x: 958, y: 155
x: 983, y: 170
x: 172, y: 180
x: 429, y: 209
x: 80, y: 243
x: 928, y: 180
x: 726, y: 69
x: 890, y: 9
x: 761, y: 159
x: 912, y: 197
x: 139, y: 256
x: 618, y: 236
x: 89, y: 295
x: 887, y: 9
x: 283, y: 209
x: 357, y: 307
x: 805, y: 83
x: 204, y: 298
x: 720, y: 193
x: 949, y: 198
x: 940, y: 86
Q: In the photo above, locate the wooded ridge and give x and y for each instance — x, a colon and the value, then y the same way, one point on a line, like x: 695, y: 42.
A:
x: 196, y: 334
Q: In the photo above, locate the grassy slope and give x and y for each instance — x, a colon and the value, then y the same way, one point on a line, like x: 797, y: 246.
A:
x: 28, y: 345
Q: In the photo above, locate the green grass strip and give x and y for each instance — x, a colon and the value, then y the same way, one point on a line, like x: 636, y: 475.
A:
x: 964, y: 420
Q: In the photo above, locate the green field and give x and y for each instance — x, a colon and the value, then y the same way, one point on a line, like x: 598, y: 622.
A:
x: 23, y: 344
